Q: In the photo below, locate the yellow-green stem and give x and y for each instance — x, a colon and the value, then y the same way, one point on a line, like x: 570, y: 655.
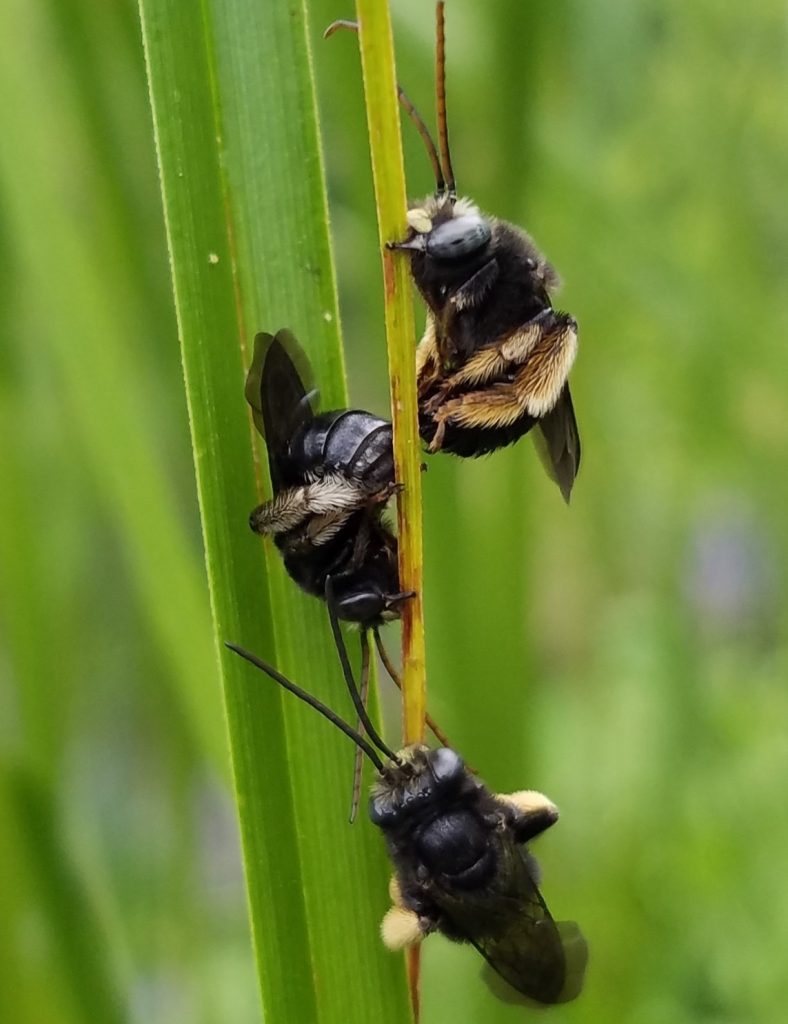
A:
x: 388, y: 171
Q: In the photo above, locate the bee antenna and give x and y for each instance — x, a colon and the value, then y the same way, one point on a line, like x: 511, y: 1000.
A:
x: 440, y: 97
x: 347, y: 671
x: 424, y: 132
x: 413, y: 114
x: 364, y: 691
x: 313, y: 702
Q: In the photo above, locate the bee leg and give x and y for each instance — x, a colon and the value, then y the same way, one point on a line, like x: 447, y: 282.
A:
x: 381, y: 496
x: 305, y: 530
x: 481, y: 368
x: 488, y: 365
x: 499, y: 405
x: 282, y: 513
x: 533, y: 391
x: 331, y: 495
x: 542, y: 376
x: 436, y: 443
x: 476, y: 288
x: 427, y: 358
x: 360, y: 546
x: 517, y: 347
x: 316, y: 530
x: 532, y: 813
x: 321, y: 528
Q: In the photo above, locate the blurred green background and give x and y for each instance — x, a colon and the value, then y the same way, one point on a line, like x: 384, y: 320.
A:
x: 628, y: 656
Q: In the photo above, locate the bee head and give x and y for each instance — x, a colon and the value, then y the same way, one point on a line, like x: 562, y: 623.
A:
x: 447, y: 230
x: 413, y: 786
x: 367, y: 604
x: 370, y: 596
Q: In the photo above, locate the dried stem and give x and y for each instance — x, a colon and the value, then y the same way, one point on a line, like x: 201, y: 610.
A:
x: 380, y: 90
x: 388, y: 172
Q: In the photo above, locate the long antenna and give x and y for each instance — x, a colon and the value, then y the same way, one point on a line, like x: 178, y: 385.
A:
x: 413, y: 114
x: 424, y: 132
x: 364, y: 692
x: 440, y: 98
x: 313, y: 702
x: 347, y: 671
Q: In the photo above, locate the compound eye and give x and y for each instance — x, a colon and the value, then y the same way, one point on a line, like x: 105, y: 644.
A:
x: 360, y: 605
x: 446, y: 765
x: 383, y: 810
x: 455, y: 239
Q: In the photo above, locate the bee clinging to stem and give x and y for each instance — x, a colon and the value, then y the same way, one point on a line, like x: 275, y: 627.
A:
x: 495, y: 356
x: 461, y: 863
x: 332, y: 474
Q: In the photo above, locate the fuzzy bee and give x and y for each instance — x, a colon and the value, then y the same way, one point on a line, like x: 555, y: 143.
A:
x: 332, y: 474
x: 495, y: 356
x: 461, y: 863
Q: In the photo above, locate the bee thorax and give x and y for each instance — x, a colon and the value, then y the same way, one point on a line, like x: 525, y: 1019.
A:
x: 456, y: 845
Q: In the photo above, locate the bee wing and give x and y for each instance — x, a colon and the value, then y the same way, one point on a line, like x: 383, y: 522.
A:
x: 517, y: 936
x: 278, y: 390
x: 500, y: 966
x: 558, y: 443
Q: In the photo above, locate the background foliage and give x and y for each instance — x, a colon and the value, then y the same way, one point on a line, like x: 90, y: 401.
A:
x: 627, y: 656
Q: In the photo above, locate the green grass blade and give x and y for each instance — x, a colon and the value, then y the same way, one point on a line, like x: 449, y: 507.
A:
x: 242, y: 184
x: 89, y: 338
x: 46, y: 890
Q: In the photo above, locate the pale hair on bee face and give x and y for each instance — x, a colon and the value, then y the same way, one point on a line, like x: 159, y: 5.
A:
x: 420, y: 217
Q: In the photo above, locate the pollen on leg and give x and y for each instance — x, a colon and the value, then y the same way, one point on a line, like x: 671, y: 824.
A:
x: 400, y: 928
x: 395, y: 892
x: 529, y: 800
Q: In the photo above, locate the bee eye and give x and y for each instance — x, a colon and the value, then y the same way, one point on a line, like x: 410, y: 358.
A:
x: 446, y: 765
x: 360, y: 605
x: 382, y: 811
x: 455, y: 239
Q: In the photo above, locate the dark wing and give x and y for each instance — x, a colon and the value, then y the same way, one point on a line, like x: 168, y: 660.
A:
x: 510, y: 925
x: 277, y: 389
x: 558, y: 443
x: 575, y: 951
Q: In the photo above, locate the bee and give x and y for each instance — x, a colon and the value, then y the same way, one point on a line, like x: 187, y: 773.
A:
x: 332, y: 474
x: 461, y: 862
x: 495, y: 357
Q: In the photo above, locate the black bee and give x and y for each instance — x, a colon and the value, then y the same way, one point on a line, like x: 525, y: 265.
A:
x: 331, y: 474
x: 461, y: 866
x: 495, y: 356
